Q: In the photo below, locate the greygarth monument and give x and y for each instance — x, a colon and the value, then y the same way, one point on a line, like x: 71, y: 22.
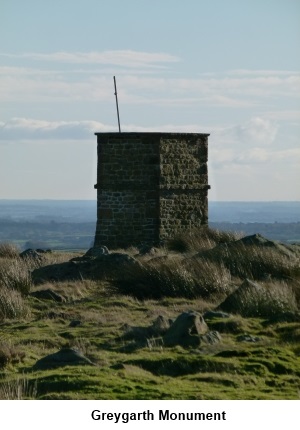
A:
x: 150, y: 186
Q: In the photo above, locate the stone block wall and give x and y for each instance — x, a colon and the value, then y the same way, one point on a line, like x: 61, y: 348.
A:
x: 149, y: 186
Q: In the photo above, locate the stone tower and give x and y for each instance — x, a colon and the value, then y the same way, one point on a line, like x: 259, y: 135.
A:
x: 150, y: 186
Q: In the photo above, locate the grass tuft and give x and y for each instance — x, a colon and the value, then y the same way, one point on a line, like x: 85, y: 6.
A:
x: 9, y: 250
x: 9, y: 354
x: 253, y: 262
x: 199, y: 240
x: 173, y: 277
x: 16, y: 276
x: 18, y: 389
x: 12, y: 304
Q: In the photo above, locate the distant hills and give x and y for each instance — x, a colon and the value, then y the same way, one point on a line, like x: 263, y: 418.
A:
x: 70, y: 224
x: 86, y: 211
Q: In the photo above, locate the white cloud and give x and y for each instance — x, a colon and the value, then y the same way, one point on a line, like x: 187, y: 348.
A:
x: 228, y: 158
x: 256, y: 132
x: 37, y: 85
x: 127, y: 58
x: 32, y: 129
x: 251, y: 144
x: 247, y: 72
x: 20, y: 129
x: 237, y: 155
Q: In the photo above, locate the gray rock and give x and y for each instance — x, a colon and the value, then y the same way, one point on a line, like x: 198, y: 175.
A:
x: 68, y: 271
x: 158, y: 328
x: 255, y: 300
x: 256, y: 239
x: 97, y: 251
x: 112, y: 266
x: 186, y: 330
x: 48, y: 294
x: 160, y: 325
x: 248, y: 338
x: 75, y: 323
x: 211, y: 337
x: 243, y: 300
x: 64, y: 357
x: 32, y: 254
x: 148, y: 250
x: 135, y: 333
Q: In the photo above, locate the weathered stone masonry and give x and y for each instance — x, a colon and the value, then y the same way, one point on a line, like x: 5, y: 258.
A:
x: 150, y: 186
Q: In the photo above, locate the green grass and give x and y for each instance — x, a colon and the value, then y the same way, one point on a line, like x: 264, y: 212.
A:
x: 128, y: 368
x: 269, y: 369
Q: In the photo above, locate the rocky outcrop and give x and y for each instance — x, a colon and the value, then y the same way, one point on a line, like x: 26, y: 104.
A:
x: 186, y: 330
x: 93, y: 265
x: 32, y: 254
x: 64, y: 357
x: 255, y: 300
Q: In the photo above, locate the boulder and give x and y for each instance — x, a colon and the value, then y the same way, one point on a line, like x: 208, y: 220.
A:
x: 186, y: 330
x: 142, y: 334
x: 138, y: 334
x: 255, y: 300
x: 64, y: 357
x: 245, y: 300
x: 97, y: 251
x: 112, y: 266
x: 68, y: 271
x: 75, y: 323
x: 211, y: 337
x: 160, y: 326
x: 31, y: 254
x: 248, y: 338
x: 48, y: 294
x: 258, y: 240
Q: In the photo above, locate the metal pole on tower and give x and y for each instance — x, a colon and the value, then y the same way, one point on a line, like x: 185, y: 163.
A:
x: 116, y: 94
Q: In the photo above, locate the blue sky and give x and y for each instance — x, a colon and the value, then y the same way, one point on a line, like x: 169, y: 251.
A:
x: 230, y: 68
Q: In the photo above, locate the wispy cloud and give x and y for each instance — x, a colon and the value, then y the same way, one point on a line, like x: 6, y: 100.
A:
x: 249, y: 144
x: 35, y: 84
x: 24, y: 129
x: 125, y: 58
x: 19, y: 129
x: 257, y: 132
x: 247, y: 72
x: 225, y: 159
x: 243, y: 149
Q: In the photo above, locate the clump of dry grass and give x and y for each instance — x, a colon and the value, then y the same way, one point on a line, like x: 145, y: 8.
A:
x: 16, y: 276
x: 9, y: 250
x: 58, y: 257
x: 15, y: 283
x: 200, y: 239
x: 175, y: 277
x: 71, y: 290
x: 213, y: 279
x: 18, y: 389
x: 279, y: 299
x: 261, y: 300
x: 253, y: 262
x: 12, y: 304
x: 9, y: 354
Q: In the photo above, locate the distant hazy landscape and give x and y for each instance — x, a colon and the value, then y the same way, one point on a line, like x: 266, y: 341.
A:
x: 70, y: 224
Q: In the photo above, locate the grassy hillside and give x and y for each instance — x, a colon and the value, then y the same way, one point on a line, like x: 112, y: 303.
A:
x: 116, y: 311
